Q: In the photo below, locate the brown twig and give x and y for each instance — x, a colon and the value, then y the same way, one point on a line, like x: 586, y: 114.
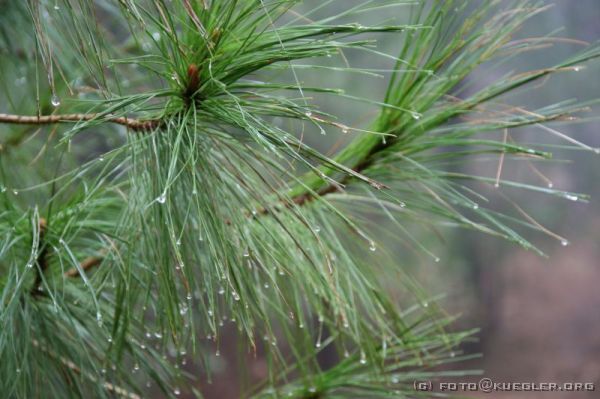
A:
x: 133, y: 124
x: 87, y: 264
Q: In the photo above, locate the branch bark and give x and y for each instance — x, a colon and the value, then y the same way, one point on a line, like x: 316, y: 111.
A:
x: 131, y: 123
x: 87, y: 264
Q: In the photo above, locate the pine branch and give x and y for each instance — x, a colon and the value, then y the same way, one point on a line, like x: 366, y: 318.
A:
x: 132, y: 124
x: 202, y: 212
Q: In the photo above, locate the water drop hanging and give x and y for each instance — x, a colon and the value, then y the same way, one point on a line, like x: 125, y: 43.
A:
x: 372, y: 246
x: 363, y: 358
x: 55, y: 100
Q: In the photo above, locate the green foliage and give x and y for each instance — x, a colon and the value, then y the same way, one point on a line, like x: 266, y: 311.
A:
x: 126, y: 242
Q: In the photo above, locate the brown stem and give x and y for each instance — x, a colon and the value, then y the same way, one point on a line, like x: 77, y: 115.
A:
x: 87, y: 264
x: 133, y: 124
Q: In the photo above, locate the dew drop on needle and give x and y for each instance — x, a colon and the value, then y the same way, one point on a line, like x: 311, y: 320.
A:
x: 55, y: 100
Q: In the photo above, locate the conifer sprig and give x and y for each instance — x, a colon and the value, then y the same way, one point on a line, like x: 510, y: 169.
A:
x: 121, y: 251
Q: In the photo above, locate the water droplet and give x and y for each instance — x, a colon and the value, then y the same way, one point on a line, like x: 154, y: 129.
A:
x: 597, y: 150
x: 577, y: 68
x: 475, y: 206
x: 221, y: 291
x: 148, y: 335
x: 29, y: 265
x: 312, y: 389
x: 189, y: 296
x: 317, y: 229
x: 266, y: 285
x: 156, y: 36
x: 436, y: 259
x: 346, y: 354
x: 109, y: 339
x: 301, y: 325
x: 142, y: 346
x: 15, y: 192
x: 56, y: 7
x: 99, y: 318
x: 136, y: 367
x: 372, y: 246
x: 101, y: 158
x: 178, y: 243
x: 308, y: 114
x: 177, y: 391
x: 218, y: 353
x: 425, y: 304
x: 18, y: 371
x: 496, y: 185
x: 183, y: 310
x: 162, y: 198
x: 363, y: 358
x: 550, y: 185
x: 395, y: 380
x: 416, y: 115
x: 210, y: 312
x: 54, y: 100
x: 236, y: 296
x: 246, y: 254
x: 564, y: 243
x: 571, y: 197
x: 158, y: 335
x: 345, y: 129
x: 148, y: 384
x: 318, y: 344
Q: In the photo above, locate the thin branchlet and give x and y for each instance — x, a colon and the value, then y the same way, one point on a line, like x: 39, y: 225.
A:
x: 135, y: 125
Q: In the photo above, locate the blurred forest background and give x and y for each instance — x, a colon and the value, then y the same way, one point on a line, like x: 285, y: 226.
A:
x: 539, y: 317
